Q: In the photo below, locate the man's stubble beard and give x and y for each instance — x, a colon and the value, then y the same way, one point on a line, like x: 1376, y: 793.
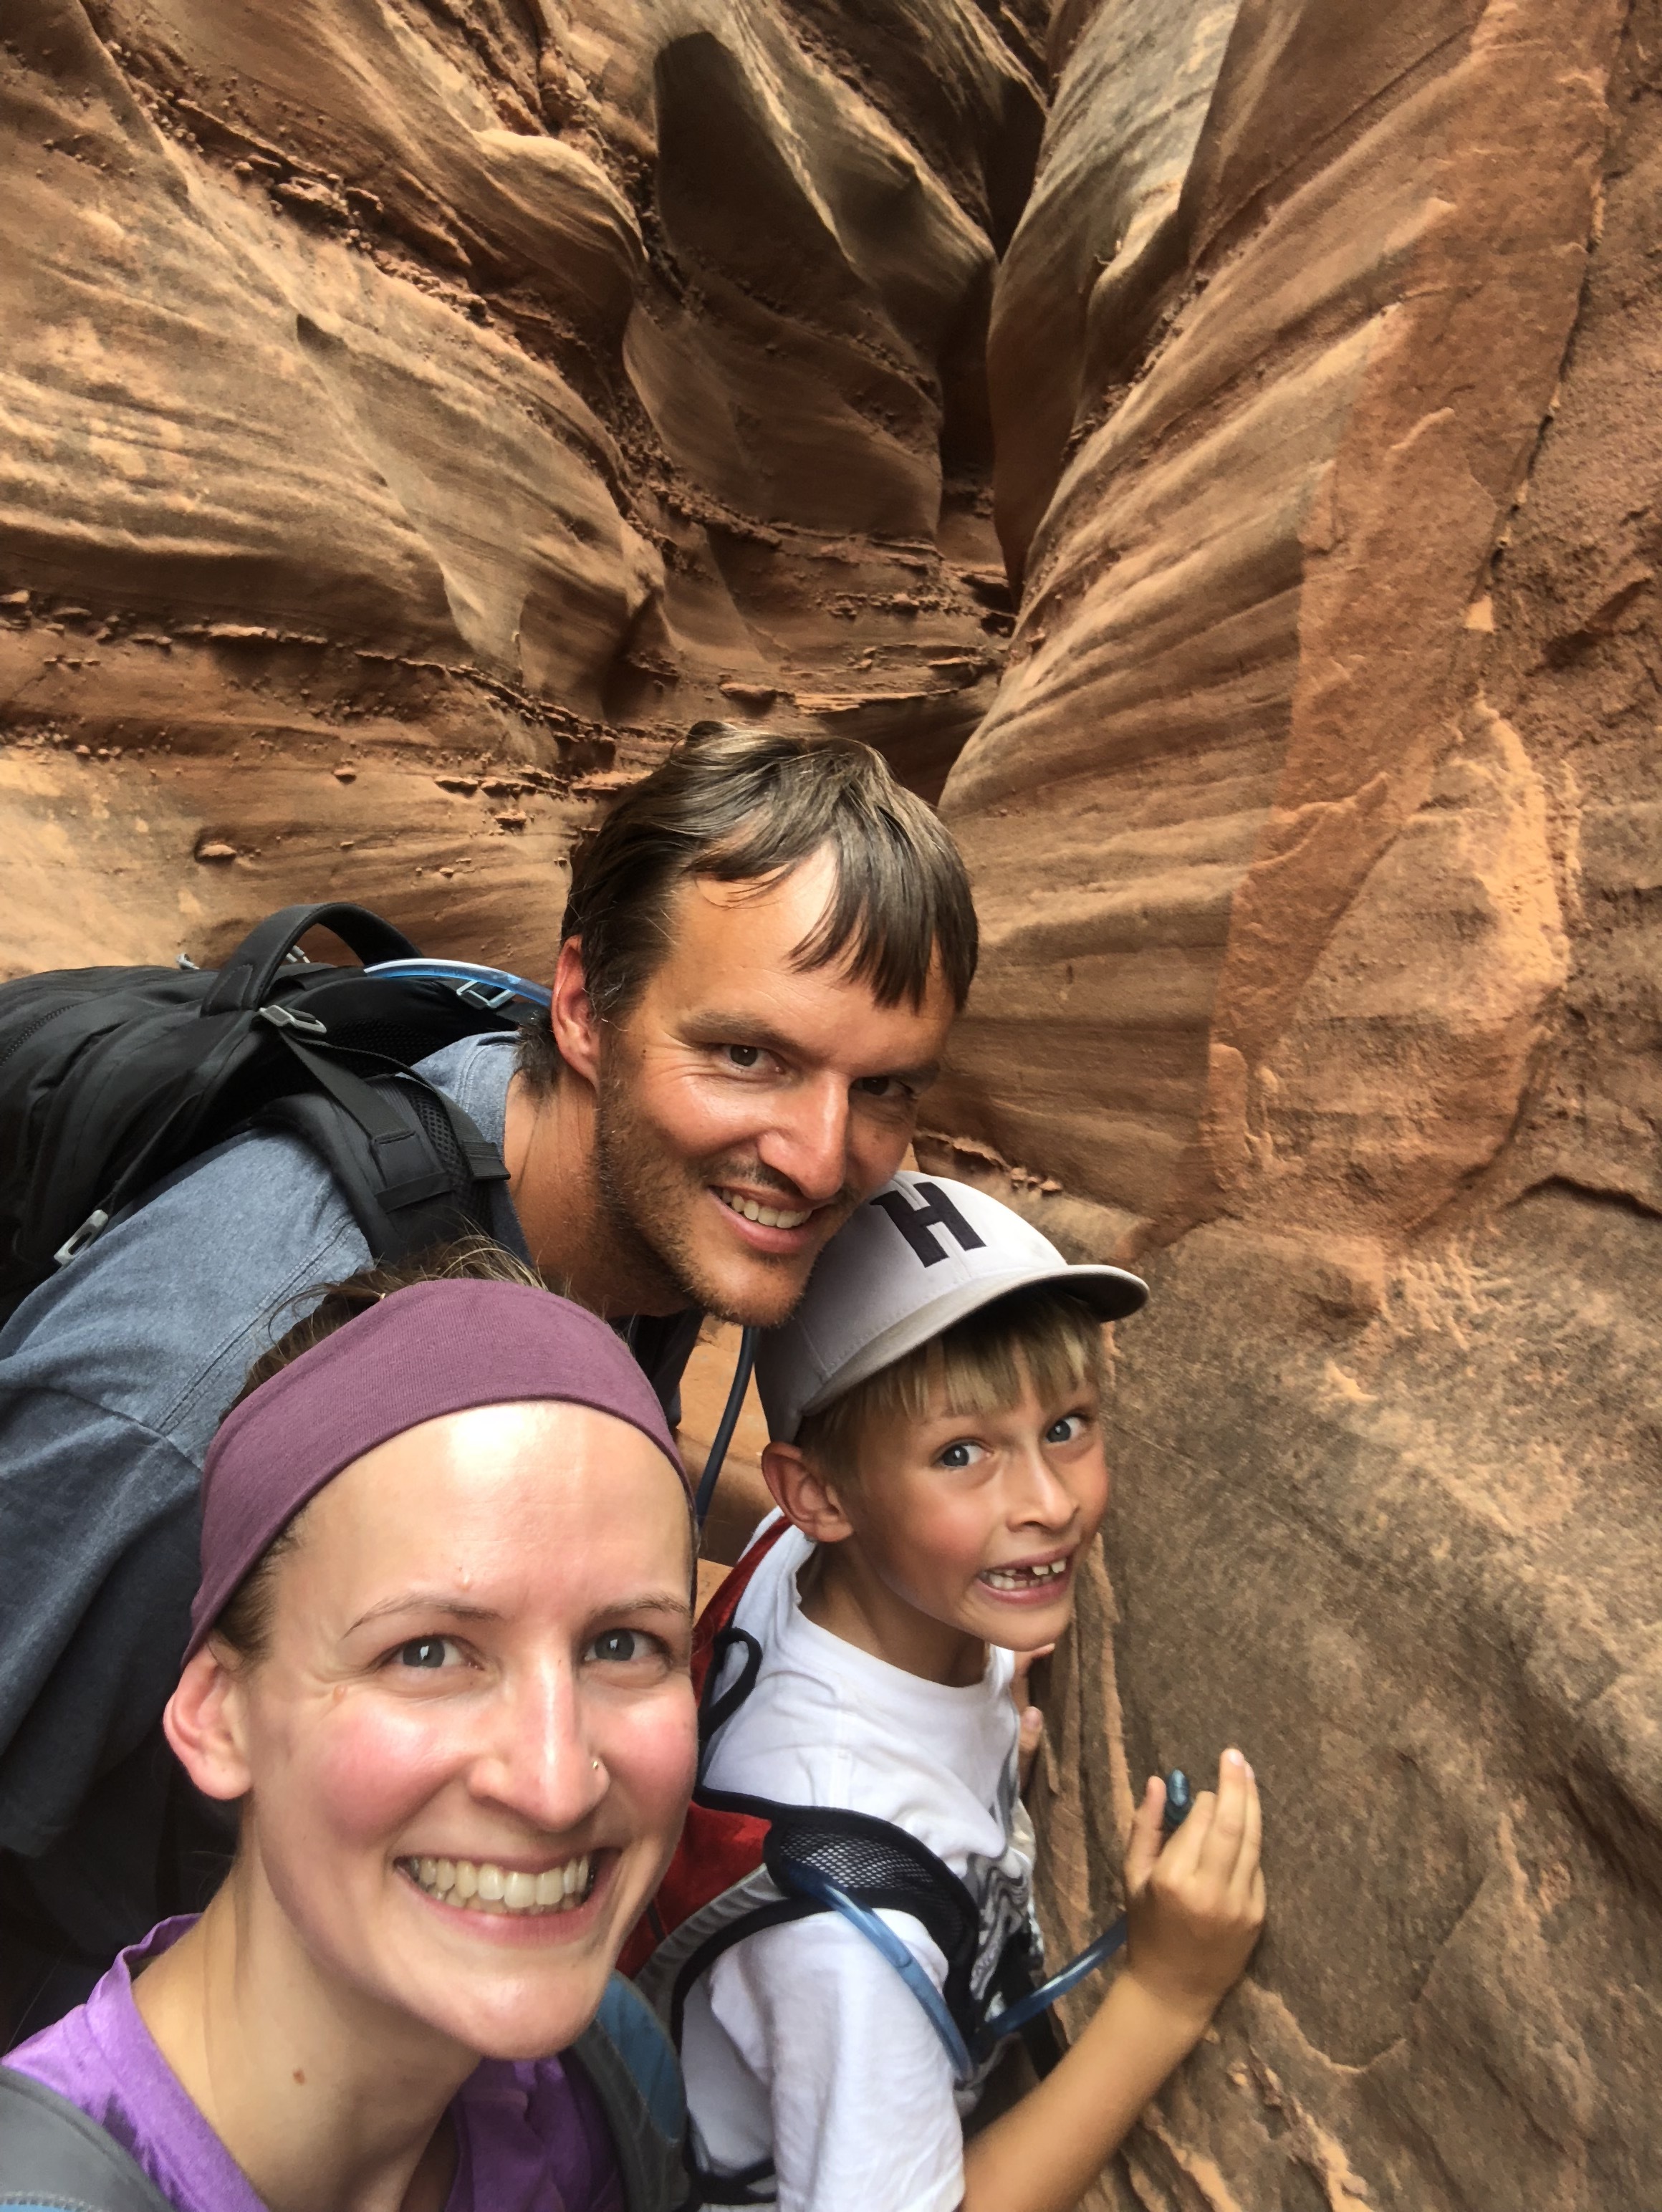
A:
x: 647, y: 1194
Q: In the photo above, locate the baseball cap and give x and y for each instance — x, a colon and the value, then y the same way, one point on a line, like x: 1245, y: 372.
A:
x: 920, y: 1254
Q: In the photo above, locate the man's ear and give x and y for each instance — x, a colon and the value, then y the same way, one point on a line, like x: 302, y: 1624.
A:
x: 570, y: 1016
x: 803, y: 1495
x: 204, y: 1723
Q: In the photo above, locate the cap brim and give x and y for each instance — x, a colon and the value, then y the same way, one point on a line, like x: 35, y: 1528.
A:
x: 1110, y: 1293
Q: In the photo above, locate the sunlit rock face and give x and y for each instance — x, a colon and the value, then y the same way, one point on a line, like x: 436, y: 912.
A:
x: 1315, y: 831
x: 479, y: 390
x: 418, y: 412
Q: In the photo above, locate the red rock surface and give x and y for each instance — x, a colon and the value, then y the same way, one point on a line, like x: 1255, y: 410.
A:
x: 414, y: 418
x: 472, y: 389
x: 1316, y: 832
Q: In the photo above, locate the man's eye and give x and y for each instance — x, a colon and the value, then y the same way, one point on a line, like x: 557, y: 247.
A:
x: 1067, y: 1430
x: 887, y: 1087
x: 425, y: 1651
x: 620, y: 1647
x: 743, y: 1055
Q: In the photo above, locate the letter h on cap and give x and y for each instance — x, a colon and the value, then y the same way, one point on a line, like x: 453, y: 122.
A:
x: 917, y: 1224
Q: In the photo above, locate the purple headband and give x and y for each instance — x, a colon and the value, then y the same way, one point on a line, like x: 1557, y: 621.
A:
x: 432, y: 1348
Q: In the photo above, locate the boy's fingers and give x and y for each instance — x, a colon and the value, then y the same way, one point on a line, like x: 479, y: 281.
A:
x: 1221, y: 1847
x: 1027, y: 1742
x: 1252, y: 1838
x: 1144, y: 1848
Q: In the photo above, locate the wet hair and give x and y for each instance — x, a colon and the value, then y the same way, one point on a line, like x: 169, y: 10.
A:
x: 982, y: 1364
x: 245, y: 1624
x: 747, y: 806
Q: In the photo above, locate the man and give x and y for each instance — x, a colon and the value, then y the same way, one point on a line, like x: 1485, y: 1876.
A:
x: 764, y: 948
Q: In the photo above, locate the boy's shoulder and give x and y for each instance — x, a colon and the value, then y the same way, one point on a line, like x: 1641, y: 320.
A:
x: 828, y: 1724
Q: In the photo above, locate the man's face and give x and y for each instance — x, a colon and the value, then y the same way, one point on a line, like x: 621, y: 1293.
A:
x: 744, y: 1108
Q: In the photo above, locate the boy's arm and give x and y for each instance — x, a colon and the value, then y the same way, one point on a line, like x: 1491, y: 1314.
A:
x: 1195, y: 1910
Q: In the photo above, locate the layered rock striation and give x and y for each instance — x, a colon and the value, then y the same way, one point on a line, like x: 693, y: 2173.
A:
x: 478, y: 393
x: 1315, y: 831
x: 417, y: 411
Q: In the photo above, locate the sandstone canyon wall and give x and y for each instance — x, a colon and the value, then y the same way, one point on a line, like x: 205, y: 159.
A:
x: 1315, y: 828
x: 414, y: 414
x: 416, y: 410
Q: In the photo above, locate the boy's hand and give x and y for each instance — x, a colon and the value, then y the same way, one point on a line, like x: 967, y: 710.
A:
x: 1195, y: 1904
x: 1032, y: 1721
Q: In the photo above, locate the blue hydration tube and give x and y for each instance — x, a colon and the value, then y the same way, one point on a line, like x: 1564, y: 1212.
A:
x: 812, y: 1883
x: 490, y: 989
x: 809, y: 1881
x: 1179, y: 1800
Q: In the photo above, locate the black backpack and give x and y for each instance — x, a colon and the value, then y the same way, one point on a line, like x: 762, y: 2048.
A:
x: 110, y: 1077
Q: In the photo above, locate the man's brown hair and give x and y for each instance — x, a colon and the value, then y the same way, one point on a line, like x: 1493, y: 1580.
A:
x: 747, y: 807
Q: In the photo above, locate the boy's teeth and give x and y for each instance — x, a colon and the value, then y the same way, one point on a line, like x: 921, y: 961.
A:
x: 770, y: 1217
x: 1015, y: 1578
x: 482, y: 1887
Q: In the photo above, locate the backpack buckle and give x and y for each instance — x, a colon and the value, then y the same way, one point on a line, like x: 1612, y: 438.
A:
x: 82, y: 1237
x: 488, y: 999
x: 285, y: 1018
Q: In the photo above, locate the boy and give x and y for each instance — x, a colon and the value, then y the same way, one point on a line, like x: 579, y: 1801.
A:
x: 934, y: 1406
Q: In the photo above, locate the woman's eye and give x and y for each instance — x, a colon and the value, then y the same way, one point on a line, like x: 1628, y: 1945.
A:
x: 619, y: 1647
x: 1067, y: 1430
x: 430, y: 1651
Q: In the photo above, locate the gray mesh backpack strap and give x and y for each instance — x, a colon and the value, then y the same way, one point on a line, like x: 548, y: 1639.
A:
x: 54, y: 2159
x: 629, y: 2062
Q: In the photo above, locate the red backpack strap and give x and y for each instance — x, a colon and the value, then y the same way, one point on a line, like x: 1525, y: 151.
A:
x: 718, y: 1614
x: 717, y: 1849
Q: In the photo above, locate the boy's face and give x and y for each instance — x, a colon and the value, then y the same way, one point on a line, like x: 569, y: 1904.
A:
x: 979, y: 1521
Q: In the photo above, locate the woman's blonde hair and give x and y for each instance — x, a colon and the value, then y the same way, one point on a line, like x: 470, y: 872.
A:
x: 983, y: 1364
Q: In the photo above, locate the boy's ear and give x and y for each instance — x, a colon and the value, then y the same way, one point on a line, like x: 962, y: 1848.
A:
x: 204, y: 1723
x: 803, y: 1495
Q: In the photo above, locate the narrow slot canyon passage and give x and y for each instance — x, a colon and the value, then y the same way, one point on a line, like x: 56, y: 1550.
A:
x: 1211, y: 448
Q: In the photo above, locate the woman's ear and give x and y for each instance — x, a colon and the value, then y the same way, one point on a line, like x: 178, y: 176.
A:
x: 804, y: 1496
x: 571, y: 1017
x: 204, y: 1723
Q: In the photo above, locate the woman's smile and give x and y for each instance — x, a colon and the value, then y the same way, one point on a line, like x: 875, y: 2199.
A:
x: 560, y: 1888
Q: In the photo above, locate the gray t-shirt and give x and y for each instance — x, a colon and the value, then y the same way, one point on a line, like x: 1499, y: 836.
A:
x: 114, y: 1377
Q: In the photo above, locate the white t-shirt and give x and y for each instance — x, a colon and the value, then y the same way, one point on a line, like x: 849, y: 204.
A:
x: 802, y: 2043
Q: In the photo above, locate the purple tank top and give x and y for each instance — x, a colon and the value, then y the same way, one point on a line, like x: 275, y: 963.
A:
x: 530, y: 2136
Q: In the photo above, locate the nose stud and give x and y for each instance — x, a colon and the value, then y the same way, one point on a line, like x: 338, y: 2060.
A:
x: 596, y: 1764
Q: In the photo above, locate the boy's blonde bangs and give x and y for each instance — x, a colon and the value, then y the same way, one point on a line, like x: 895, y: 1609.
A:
x: 982, y: 1364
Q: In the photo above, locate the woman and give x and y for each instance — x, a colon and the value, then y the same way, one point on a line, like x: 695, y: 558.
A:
x: 440, y: 1654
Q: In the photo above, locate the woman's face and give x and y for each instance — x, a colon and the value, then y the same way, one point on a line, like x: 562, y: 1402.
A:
x: 469, y: 1744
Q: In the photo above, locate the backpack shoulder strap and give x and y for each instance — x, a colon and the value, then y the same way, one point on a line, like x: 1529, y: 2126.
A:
x: 53, y: 2156
x: 717, y: 1616
x: 629, y: 2062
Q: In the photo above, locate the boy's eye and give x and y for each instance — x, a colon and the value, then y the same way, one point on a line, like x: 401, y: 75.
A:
x: 430, y: 1651
x: 960, y: 1455
x: 1068, y: 1430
